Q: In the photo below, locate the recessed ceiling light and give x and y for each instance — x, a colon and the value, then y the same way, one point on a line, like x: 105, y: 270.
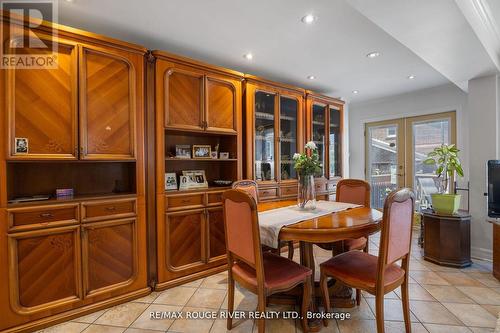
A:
x: 309, y: 19
x: 411, y: 77
x: 311, y: 77
x: 355, y: 92
x: 372, y: 55
x: 248, y: 56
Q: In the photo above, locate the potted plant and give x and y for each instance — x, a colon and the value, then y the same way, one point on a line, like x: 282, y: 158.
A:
x: 307, y: 165
x: 446, y: 159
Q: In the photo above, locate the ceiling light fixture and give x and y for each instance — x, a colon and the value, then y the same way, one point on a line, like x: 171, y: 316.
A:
x: 411, y: 77
x: 311, y: 77
x: 372, y: 55
x: 309, y: 19
x: 355, y: 92
x: 248, y: 56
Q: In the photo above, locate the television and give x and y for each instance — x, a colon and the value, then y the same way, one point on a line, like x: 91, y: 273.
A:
x: 494, y: 189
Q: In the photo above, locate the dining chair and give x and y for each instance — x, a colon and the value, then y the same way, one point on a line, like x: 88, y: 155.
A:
x: 252, y: 188
x: 265, y: 273
x: 379, y: 275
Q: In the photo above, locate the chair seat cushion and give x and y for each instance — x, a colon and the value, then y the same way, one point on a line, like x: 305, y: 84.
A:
x: 355, y: 243
x: 359, y: 270
x: 279, y: 272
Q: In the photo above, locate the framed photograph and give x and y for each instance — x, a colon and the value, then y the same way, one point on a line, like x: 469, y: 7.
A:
x: 195, y: 178
x: 224, y: 155
x: 170, y: 181
x: 213, y: 155
x: 182, y: 151
x: 185, y: 183
x: 21, y: 145
x: 202, y: 151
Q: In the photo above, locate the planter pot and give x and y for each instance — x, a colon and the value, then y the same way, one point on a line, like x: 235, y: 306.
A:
x: 306, y: 197
x: 445, y: 203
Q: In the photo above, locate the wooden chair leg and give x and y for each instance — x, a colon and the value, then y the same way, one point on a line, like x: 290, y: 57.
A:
x: 323, y: 283
x: 358, y: 297
x: 290, y: 250
x: 379, y: 312
x: 366, y: 246
x: 306, y: 301
x: 230, y: 300
x: 405, y: 299
x: 261, y: 307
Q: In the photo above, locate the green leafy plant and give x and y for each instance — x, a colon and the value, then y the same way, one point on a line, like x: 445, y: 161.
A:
x: 446, y: 159
x: 308, y: 163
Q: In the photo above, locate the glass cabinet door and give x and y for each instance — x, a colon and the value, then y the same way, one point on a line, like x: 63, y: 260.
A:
x: 288, y: 136
x: 319, y: 132
x: 264, y: 136
x: 335, y: 144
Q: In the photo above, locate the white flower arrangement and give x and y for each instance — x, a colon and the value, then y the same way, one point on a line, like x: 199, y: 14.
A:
x: 311, y: 145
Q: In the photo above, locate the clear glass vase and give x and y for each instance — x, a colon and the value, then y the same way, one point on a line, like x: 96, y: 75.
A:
x: 306, y: 197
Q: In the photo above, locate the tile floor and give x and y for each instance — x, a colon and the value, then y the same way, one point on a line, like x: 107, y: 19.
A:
x: 442, y: 300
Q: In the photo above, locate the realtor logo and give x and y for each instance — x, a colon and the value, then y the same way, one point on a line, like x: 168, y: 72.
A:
x: 24, y: 45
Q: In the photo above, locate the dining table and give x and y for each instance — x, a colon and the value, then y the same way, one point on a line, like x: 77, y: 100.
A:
x: 332, y: 227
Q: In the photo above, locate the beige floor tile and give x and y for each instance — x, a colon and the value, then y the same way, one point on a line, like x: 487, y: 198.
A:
x: 481, y: 330
x: 244, y: 300
x: 122, y: 315
x: 391, y: 295
x: 362, y: 311
x: 104, y: 329
x: 416, y: 265
x: 217, y: 281
x: 436, y: 328
x: 393, y: 309
x: 175, y: 296
x: 149, y: 298
x: 366, y: 326
x: 472, y: 314
x: 478, y: 266
x: 195, y: 283
x: 149, y: 318
x: 69, y: 327
x: 90, y: 318
x: 423, y: 277
x: 482, y: 295
x: 447, y: 294
x: 140, y: 330
x: 207, y: 298
x: 279, y: 326
x: 438, y: 268
x: 239, y: 326
x: 433, y: 313
x: 399, y: 327
x: 192, y: 325
x: 459, y: 279
x: 416, y: 293
x: 493, y: 309
x: 332, y: 327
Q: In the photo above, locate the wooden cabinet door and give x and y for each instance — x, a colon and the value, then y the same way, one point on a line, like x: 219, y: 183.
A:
x: 216, y: 234
x: 109, y: 255
x: 222, y: 104
x: 185, y: 240
x: 44, y: 269
x: 42, y: 108
x: 180, y: 95
x: 107, y: 104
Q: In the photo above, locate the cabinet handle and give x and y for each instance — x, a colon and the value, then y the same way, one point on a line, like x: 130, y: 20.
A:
x: 46, y: 215
x: 112, y: 208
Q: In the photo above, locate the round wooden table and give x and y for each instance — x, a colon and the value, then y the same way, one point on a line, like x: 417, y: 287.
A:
x: 351, y: 223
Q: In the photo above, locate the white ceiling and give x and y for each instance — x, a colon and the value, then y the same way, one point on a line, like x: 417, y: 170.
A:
x: 220, y: 31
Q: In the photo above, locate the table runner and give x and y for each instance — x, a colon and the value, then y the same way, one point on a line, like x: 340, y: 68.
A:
x: 271, y: 221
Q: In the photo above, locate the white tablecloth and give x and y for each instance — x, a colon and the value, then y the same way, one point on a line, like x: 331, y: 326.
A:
x: 271, y: 221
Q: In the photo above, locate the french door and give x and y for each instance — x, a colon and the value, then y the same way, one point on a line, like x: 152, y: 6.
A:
x: 395, y: 151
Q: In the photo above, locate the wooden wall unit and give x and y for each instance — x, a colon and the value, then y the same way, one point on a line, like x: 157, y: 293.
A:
x: 64, y: 258
x: 195, y: 104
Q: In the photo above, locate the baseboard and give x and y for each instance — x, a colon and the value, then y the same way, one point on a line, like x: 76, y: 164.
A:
x: 481, y: 253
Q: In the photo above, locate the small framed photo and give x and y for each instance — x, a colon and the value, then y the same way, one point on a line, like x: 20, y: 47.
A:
x: 170, y: 181
x: 21, y: 145
x: 224, y: 155
x: 202, y: 151
x: 185, y: 183
x: 213, y: 155
x: 196, y: 178
x: 182, y: 151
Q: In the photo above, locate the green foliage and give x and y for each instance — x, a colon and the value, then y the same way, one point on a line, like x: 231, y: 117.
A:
x: 447, y: 161
x: 308, y: 163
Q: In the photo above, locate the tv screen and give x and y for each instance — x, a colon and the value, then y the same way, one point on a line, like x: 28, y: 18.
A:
x: 494, y: 188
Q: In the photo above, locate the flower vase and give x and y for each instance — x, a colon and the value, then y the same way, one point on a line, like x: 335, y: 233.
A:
x: 306, y: 197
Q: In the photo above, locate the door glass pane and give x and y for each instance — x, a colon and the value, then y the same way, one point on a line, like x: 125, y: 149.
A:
x: 288, y: 136
x: 318, y: 131
x: 382, y: 162
x: 427, y: 135
x: 335, y: 143
x: 264, y: 136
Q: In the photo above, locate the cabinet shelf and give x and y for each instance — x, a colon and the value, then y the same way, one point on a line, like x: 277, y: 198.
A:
x: 200, y: 159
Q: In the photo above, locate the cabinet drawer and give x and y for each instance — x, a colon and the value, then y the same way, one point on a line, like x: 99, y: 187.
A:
x: 214, y: 198
x: 109, y: 209
x: 42, y: 216
x: 289, y: 191
x: 185, y: 201
x: 268, y: 193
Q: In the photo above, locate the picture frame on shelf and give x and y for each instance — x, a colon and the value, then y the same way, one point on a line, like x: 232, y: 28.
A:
x: 213, y: 155
x: 182, y: 151
x: 185, y: 183
x: 170, y: 181
x: 202, y: 151
x: 196, y: 178
x: 22, y: 146
x: 224, y: 155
